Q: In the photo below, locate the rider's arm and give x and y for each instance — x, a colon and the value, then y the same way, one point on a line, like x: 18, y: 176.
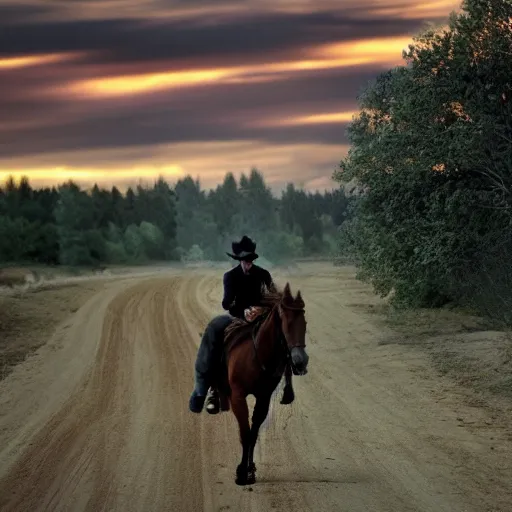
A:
x: 269, y: 282
x: 228, y: 301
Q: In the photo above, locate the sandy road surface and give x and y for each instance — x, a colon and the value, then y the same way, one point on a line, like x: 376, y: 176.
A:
x: 98, y: 419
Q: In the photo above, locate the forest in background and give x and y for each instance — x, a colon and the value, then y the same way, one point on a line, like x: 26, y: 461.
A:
x: 74, y: 227
x: 431, y: 153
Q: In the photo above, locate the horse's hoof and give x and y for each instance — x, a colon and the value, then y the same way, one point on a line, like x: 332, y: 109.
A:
x: 248, y: 479
x: 288, y: 396
x: 241, y: 476
x: 251, y: 473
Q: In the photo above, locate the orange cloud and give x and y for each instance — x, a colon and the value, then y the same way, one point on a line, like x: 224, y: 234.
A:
x: 155, y: 9
x: 34, y: 60
x: 327, y: 118
x: 378, y: 49
x: 414, y: 10
x: 385, y: 51
x: 440, y: 8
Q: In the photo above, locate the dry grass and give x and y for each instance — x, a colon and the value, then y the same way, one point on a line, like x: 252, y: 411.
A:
x: 16, y: 276
x: 28, y: 318
x: 473, y: 351
x: 32, y: 307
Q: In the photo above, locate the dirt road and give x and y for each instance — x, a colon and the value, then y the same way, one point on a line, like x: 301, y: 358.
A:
x: 98, y: 418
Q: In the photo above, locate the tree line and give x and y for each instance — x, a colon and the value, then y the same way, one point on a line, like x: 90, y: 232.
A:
x: 431, y: 150
x: 75, y: 227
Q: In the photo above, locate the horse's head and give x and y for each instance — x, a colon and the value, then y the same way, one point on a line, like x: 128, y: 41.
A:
x: 293, y: 323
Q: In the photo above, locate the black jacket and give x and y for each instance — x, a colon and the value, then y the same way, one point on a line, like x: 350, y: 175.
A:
x: 241, y: 291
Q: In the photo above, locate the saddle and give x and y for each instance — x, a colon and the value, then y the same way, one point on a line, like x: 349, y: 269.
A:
x: 235, y: 333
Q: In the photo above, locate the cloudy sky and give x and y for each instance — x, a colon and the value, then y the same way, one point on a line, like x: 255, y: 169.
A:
x: 111, y: 91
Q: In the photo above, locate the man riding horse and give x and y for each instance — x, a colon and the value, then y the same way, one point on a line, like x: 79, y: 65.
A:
x: 243, y: 288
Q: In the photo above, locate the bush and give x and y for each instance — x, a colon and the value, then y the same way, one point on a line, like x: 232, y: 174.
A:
x: 281, y: 246
x: 194, y: 254
x: 134, y: 244
x: 154, y: 246
x: 115, y: 252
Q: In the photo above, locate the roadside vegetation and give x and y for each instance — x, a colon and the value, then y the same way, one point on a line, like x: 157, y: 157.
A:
x: 431, y: 154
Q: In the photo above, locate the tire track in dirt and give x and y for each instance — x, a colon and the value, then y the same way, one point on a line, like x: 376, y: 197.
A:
x: 363, y: 433
x: 61, y: 455
x: 395, y: 441
x: 118, y: 443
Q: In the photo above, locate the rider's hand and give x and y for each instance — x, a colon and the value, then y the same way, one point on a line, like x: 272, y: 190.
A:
x: 251, y: 313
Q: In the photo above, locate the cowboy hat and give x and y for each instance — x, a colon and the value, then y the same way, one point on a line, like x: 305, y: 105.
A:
x: 243, y: 250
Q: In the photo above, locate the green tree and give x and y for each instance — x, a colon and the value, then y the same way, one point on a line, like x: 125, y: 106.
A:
x: 225, y: 201
x: 431, y: 150
x: 154, y: 241
x: 79, y: 241
x: 300, y: 214
x: 195, y: 223
x: 162, y: 214
x: 194, y: 254
x: 258, y: 210
x: 134, y: 244
x: 16, y: 241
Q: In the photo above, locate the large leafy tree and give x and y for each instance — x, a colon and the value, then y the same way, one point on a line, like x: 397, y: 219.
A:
x: 432, y: 150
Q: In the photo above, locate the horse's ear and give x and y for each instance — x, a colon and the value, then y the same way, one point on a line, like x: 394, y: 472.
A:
x: 299, y: 301
x: 287, y: 292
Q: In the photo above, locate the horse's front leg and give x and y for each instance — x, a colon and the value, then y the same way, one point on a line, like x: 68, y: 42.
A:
x: 241, y: 412
x: 258, y: 417
x: 288, y: 393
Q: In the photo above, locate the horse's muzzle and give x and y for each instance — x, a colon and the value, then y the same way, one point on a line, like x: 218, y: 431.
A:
x: 300, y: 361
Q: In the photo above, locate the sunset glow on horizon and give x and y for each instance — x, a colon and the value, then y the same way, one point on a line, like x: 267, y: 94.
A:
x: 62, y: 174
x: 97, y: 92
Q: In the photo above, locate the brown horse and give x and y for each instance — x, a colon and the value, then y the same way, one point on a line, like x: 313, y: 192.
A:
x: 257, y: 356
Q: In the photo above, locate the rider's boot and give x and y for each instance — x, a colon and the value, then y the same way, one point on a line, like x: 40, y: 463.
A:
x: 206, y: 363
x: 212, y: 402
x: 196, y: 402
x: 198, y: 396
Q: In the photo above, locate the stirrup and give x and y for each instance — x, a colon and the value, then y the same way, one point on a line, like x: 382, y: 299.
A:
x: 212, y: 402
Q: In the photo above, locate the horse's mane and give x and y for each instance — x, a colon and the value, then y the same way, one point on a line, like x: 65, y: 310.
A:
x: 239, y: 330
x: 271, y: 297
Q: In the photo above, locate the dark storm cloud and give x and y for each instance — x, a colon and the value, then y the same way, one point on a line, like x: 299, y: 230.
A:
x: 128, y: 40
x: 333, y: 87
x: 126, y: 131
x: 13, y: 14
x: 199, y: 114
x: 43, y: 115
